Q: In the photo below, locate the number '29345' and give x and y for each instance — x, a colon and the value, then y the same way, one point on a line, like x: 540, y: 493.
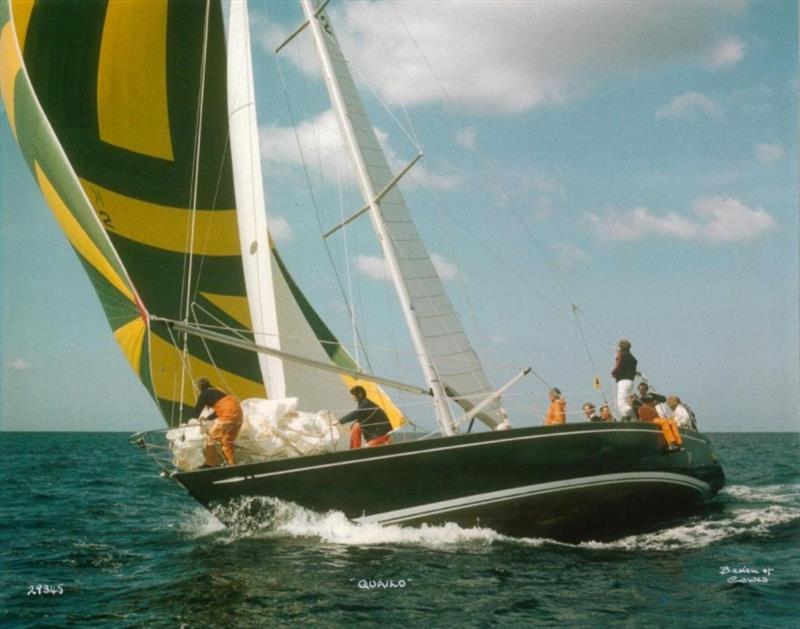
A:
x: 49, y: 590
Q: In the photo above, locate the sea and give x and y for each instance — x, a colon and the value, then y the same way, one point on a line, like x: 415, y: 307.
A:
x: 92, y: 536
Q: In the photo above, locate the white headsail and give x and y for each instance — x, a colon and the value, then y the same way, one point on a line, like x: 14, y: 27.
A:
x: 281, y: 318
x: 251, y: 212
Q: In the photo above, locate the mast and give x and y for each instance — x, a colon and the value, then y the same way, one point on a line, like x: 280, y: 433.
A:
x: 368, y: 190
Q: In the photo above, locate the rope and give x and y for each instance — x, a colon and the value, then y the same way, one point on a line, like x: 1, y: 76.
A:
x: 314, y: 202
x: 562, y: 283
x: 185, y: 306
x: 588, y: 353
x: 347, y: 270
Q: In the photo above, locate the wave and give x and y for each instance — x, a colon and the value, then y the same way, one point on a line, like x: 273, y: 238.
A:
x: 781, y: 494
x: 200, y: 523
x: 745, y: 510
x: 750, y: 511
x: 268, y: 517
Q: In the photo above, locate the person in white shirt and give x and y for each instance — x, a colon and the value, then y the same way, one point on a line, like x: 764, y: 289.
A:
x: 680, y: 414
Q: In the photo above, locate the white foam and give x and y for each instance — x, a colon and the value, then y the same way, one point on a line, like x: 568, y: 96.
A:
x: 773, y: 505
x: 783, y: 494
x: 335, y: 528
x: 702, y: 534
x: 201, y: 523
x: 263, y: 517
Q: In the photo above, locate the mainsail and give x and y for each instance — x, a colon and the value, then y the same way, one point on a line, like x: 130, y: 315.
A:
x: 120, y: 110
x: 456, y: 364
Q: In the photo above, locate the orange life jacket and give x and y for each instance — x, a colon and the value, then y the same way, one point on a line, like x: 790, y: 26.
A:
x: 557, y: 413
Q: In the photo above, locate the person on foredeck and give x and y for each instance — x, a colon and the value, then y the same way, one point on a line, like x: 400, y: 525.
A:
x: 370, y: 422
x: 589, y: 411
x: 624, y: 372
x: 557, y: 413
x: 648, y: 413
x: 227, y: 416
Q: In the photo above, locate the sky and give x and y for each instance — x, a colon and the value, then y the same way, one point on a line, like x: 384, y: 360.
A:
x: 636, y: 159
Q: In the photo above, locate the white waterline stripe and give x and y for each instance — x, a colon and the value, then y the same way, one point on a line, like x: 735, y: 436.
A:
x: 445, y: 506
x: 237, y: 479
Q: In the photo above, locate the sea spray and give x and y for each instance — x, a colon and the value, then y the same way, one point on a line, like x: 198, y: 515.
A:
x: 753, y: 511
x: 268, y: 517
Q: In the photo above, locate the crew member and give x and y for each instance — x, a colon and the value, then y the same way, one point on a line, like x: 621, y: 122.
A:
x: 588, y: 410
x: 227, y: 417
x: 605, y: 413
x: 680, y: 413
x: 370, y: 420
x: 648, y: 413
x: 557, y: 413
x: 659, y: 401
x: 624, y: 372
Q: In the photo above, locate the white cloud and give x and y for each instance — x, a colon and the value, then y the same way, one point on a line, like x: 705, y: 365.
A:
x: 279, y: 228
x: 689, y: 106
x: 18, y: 364
x: 567, y: 256
x: 319, y: 138
x: 727, y: 53
x: 729, y: 220
x: 717, y: 219
x: 514, y: 56
x: 636, y: 223
x: 373, y: 267
x: 324, y: 150
x: 769, y: 153
x: 466, y: 138
x: 446, y: 270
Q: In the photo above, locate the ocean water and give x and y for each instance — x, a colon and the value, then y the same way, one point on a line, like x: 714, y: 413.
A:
x: 92, y: 536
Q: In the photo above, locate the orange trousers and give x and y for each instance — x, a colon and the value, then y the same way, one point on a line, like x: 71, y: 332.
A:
x: 223, y: 433
x: 670, y: 429
x: 224, y: 430
x: 356, y: 438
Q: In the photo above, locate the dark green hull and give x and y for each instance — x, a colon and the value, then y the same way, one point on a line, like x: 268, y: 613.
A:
x: 572, y: 482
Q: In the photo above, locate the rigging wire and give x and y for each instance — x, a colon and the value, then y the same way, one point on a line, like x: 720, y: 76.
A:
x: 476, y: 373
x: 314, y: 203
x: 347, y: 271
x: 548, y: 261
x: 195, y: 186
x: 599, y: 327
x: 589, y: 354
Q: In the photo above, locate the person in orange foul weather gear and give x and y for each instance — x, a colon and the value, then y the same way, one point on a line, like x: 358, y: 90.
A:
x: 648, y: 413
x: 370, y: 421
x: 227, y: 417
x: 557, y: 413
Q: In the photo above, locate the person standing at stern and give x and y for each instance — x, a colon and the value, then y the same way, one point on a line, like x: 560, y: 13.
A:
x: 624, y: 372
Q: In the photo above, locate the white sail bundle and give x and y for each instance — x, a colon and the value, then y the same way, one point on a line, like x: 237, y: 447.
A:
x: 272, y: 429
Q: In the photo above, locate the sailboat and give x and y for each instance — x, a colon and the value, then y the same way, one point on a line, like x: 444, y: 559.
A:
x: 138, y: 122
